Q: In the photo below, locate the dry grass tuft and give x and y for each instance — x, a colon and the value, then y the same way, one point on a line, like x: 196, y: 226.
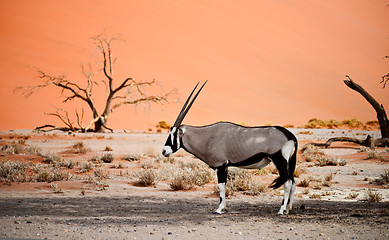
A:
x: 107, y: 157
x: 241, y: 180
x: 304, y: 183
x: 79, y: 148
x: 108, y: 149
x: 383, y: 179
x: 146, y: 177
x: 371, y: 196
x: 352, y: 195
x: 131, y: 157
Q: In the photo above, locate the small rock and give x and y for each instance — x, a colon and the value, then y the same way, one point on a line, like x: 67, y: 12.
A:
x: 291, y: 229
x: 17, y: 222
x: 169, y: 233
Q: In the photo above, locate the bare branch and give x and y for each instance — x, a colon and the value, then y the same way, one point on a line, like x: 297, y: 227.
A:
x: 64, y: 118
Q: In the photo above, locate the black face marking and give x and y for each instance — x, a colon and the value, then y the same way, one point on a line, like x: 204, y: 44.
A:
x: 173, y: 140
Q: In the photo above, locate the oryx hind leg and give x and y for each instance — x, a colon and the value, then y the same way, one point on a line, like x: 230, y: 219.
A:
x: 222, y: 181
x: 291, y: 197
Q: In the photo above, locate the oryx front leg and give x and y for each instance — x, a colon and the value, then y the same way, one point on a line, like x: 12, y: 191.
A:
x: 222, y: 180
x: 287, y: 190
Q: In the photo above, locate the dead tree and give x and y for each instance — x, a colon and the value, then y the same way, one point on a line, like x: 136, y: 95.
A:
x: 127, y: 92
x: 381, y: 116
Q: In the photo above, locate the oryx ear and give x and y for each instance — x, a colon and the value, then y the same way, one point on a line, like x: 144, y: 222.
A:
x: 186, y: 107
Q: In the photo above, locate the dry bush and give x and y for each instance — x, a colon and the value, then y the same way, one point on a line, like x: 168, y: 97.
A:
x: 383, y: 179
x: 371, y: 196
x: 163, y: 125
x: 261, y: 172
x: 353, y: 123
x: 55, y: 189
x: 315, y: 196
x: 146, y: 177
x: 11, y: 171
x: 255, y: 188
x: 79, y: 148
x: 352, y: 195
x: 51, y: 158
x: 298, y: 171
x: 182, y: 182
x: 119, y: 165
x: 50, y: 174
x: 241, y: 180
x: 15, y: 147
x: 108, y: 149
x: 100, y: 174
x: 107, y: 157
x: 330, y: 161
x: 131, y: 157
x: 85, y: 167
x: 304, y: 183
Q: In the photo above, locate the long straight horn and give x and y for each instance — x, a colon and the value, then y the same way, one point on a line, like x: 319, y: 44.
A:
x: 186, y: 107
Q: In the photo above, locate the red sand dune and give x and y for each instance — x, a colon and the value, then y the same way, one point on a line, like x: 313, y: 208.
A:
x: 273, y: 62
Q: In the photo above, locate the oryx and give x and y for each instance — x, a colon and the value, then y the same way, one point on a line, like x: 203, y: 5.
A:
x: 225, y: 144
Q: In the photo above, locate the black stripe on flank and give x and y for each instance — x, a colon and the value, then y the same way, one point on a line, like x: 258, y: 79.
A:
x: 250, y: 161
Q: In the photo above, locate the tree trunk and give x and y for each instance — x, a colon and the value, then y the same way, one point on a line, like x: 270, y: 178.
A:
x: 99, y: 126
x: 379, y: 108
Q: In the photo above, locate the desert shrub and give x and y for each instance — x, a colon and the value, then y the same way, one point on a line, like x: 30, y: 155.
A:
x: 190, y: 174
x: 85, y: 167
x: 315, y: 196
x: 100, y: 174
x: 50, y: 174
x: 15, y: 147
x: 373, y: 123
x: 352, y: 123
x: 51, y: 158
x: 55, y: 189
x: 261, y: 172
x: 131, y: 157
x: 182, y: 182
x: 119, y: 165
x: 34, y: 150
x: 371, y: 196
x: 95, y: 159
x: 13, y: 171
x: 383, y: 179
x: 329, y: 161
x: 352, y: 195
x: 107, y: 157
x: 304, y: 183
x: 163, y: 125
x: 68, y: 164
x: 146, y: 177
x: 238, y: 179
x: 79, y: 147
x: 298, y: 171
x: 108, y: 149
x: 314, y: 123
x: 255, y: 188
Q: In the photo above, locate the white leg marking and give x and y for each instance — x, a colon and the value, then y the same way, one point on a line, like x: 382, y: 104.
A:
x: 287, y: 149
x: 287, y: 188
x: 291, y: 196
x: 222, y: 205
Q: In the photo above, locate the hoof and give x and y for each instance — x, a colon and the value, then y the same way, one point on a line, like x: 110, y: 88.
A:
x: 285, y: 212
x: 219, y: 212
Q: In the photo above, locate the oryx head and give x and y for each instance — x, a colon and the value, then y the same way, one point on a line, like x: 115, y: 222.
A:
x: 173, y: 142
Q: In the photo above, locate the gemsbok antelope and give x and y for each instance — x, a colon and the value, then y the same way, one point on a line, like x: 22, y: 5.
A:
x: 224, y: 144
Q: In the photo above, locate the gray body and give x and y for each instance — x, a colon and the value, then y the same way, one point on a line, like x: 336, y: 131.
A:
x: 230, y: 144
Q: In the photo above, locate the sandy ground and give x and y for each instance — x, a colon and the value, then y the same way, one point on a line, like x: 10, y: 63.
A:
x: 121, y: 210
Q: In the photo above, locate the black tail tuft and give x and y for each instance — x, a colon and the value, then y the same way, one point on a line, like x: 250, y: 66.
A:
x: 278, y: 182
